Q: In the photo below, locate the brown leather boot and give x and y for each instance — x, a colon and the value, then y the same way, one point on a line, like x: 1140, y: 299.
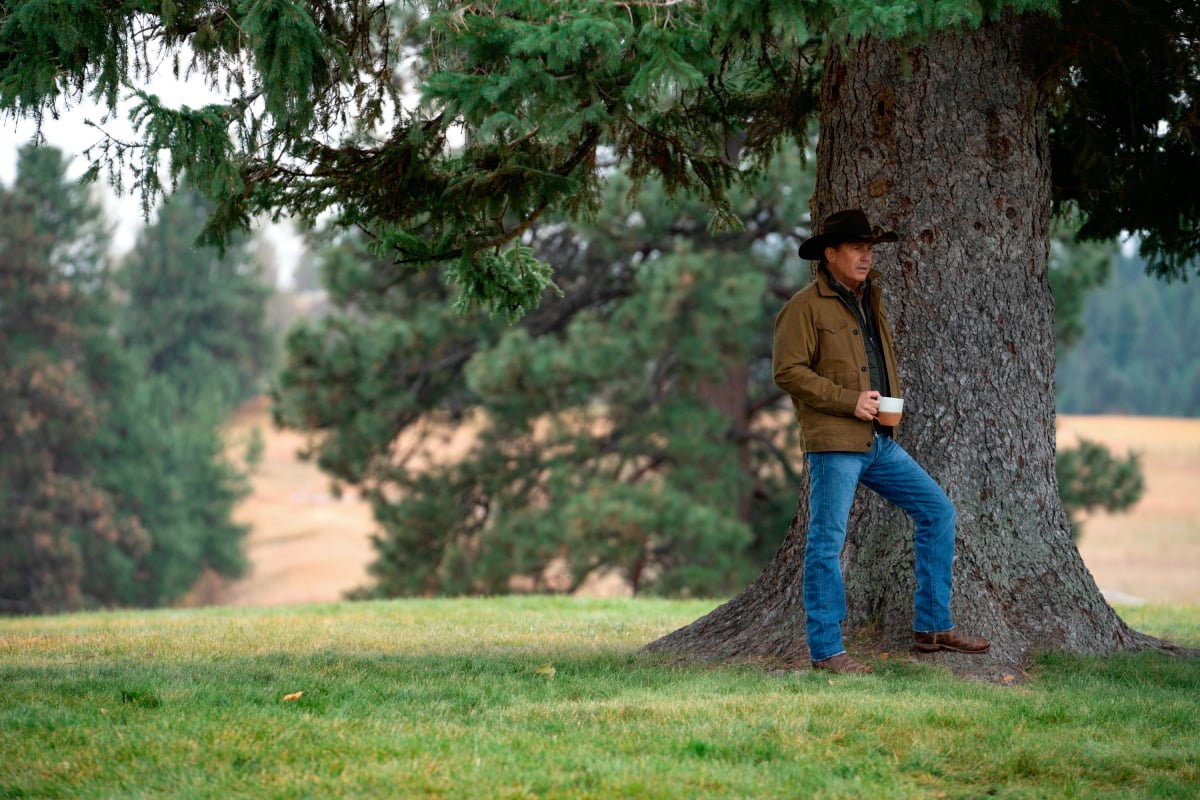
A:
x: 951, y: 640
x: 843, y: 664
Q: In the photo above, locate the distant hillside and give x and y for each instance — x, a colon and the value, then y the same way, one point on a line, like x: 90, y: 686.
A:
x: 307, y: 546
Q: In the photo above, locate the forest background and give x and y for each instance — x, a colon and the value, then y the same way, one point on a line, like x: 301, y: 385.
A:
x: 634, y: 403
x: 1115, y: 326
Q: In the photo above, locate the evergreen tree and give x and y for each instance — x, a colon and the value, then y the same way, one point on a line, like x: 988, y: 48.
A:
x: 194, y: 316
x: 115, y: 490
x: 621, y: 428
x: 1076, y: 269
x: 194, y: 322
x: 959, y: 123
x: 168, y: 465
x: 947, y: 141
x: 1089, y: 475
x: 60, y: 528
x: 1137, y: 354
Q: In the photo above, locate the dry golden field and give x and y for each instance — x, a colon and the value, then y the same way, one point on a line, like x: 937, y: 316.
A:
x: 307, y: 546
x: 1152, y: 552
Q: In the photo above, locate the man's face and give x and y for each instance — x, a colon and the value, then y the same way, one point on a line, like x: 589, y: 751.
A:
x: 849, y: 262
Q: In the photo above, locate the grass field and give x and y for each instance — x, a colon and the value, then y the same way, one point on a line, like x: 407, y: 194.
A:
x: 1151, y: 552
x: 547, y: 698
x: 293, y: 697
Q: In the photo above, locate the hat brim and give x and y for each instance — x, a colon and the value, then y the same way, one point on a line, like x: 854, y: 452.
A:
x: 814, y: 249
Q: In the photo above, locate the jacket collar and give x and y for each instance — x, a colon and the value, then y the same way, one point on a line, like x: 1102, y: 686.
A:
x: 825, y: 283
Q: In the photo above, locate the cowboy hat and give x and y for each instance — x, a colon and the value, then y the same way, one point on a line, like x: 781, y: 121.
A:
x: 844, y: 226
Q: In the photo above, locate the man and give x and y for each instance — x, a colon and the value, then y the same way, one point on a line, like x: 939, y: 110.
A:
x: 834, y: 356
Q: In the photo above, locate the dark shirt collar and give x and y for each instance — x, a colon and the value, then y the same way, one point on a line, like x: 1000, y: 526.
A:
x: 857, y: 294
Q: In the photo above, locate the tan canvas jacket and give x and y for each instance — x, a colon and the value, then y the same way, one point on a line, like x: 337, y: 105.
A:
x: 820, y: 359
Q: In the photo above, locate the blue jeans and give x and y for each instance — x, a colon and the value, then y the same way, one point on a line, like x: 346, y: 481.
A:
x: 889, y: 470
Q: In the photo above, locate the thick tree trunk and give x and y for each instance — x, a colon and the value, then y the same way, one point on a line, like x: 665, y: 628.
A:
x: 946, y: 143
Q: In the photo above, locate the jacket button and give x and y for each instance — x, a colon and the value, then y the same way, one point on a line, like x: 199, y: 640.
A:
x: 855, y: 332
x: 864, y: 369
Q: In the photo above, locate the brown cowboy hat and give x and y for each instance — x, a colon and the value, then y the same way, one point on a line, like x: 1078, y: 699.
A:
x: 845, y: 226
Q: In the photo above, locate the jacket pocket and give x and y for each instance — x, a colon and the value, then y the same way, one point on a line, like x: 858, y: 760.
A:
x: 838, y: 352
x: 848, y: 379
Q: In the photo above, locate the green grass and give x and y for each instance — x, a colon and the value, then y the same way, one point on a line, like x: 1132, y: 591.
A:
x: 442, y: 699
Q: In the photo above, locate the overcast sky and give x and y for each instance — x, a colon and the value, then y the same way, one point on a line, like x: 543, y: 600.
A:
x: 70, y: 134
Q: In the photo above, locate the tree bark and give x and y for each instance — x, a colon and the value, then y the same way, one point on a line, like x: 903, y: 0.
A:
x: 946, y: 144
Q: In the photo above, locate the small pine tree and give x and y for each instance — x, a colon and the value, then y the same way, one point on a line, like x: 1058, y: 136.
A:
x: 194, y: 320
x: 167, y: 463
x: 192, y: 314
x: 1090, y: 477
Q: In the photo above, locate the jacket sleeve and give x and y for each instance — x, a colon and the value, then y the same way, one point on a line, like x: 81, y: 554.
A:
x: 794, y: 358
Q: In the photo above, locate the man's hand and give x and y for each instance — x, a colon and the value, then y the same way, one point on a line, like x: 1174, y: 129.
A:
x: 867, y: 406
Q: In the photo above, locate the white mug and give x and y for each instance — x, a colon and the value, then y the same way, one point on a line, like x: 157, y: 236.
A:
x: 890, y: 409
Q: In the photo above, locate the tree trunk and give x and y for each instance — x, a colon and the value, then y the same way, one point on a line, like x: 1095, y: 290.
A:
x: 946, y: 144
